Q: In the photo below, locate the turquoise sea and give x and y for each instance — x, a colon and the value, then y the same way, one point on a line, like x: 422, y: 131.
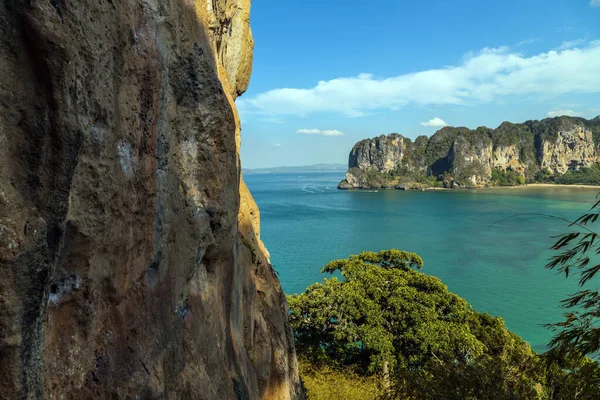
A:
x: 496, y: 264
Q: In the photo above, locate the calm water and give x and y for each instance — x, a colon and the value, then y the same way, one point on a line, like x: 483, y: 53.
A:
x: 497, y: 266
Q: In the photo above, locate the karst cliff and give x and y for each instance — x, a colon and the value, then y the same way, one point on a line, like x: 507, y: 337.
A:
x: 131, y: 265
x: 461, y: 157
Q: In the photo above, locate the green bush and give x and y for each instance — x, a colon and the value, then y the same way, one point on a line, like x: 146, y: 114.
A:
x: 385, y: 316
x: 545, y: 176
x: 326, y: 382
x: 583, y: 176
x: 506, y: 178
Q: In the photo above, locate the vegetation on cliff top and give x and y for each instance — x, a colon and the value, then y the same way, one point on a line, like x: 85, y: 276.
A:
x: 435, y: 160
x: 402, y: 333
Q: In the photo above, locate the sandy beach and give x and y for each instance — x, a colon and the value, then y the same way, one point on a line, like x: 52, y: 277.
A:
x: 557, y: 185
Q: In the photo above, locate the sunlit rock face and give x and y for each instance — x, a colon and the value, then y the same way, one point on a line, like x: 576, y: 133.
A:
x: 383, y: 153
x: 471, y: 159
x: 130, y: 265
x: 572, y: 147
x: 468, y: 156
x: 507, y: 157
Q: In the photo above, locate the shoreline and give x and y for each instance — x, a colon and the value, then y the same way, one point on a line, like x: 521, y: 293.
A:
x: 432, y: 188
x: 576, y: 185
x: 544, y: 185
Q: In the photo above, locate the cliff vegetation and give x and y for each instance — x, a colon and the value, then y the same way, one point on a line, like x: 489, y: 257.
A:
x: 562, y: 150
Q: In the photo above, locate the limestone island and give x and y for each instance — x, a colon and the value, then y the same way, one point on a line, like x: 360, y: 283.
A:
x: 561, y: 150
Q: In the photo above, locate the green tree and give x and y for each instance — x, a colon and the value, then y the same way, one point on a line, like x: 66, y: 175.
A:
x: 506, y: 178
x: 384, y: 314
x: 352, y: 321
x: 579, y: 333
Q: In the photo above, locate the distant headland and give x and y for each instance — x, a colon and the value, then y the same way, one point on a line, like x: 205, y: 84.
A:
x: 561, y: 150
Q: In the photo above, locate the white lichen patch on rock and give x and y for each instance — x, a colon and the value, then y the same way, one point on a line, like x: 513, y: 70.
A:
x: 9, y: 240
x: 125, y: 152
x: 62, y: 287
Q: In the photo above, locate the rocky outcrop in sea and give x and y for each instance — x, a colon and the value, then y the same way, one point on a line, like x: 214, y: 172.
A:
x: 461, y: 157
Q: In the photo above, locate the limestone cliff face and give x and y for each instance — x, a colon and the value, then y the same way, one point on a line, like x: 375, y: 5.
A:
x: 386, y: 153
x: 507, y: 157
x: 130, y: 257
x: 572, y: 147
x: 383, y: 153
x: 471, y: 159
x: 389, y: 154
x: 467, y: 157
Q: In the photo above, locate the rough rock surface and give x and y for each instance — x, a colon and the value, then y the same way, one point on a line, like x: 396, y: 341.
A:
x: 387, y: 153
x: 383, y: 153
x: 471, y: 159
x: 507, y: 157
x: 573, y: 148
x: 130, y: 259
x: 468, y: 157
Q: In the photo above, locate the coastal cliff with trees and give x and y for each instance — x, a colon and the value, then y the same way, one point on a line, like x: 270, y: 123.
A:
x: 563, y: 150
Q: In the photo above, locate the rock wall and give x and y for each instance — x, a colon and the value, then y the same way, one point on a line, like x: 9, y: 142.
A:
x: 471, y: 159
x: 572, y: 148
x: 507, y: 157
x: 130, y: 259
x: 383, y: 153
x: 467, y: 157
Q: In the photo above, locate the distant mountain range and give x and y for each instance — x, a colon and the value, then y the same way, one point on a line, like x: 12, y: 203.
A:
x: 303, y: 168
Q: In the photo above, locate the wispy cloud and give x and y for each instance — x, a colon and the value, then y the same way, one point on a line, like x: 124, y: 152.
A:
x: 486, y: 76
x: 327, y: 132
x: 437, y: 122
x: 570, y: 113
x: 594, y: 3
x: 569, y: 44
x: 527, y: 41
x: 277, y: 145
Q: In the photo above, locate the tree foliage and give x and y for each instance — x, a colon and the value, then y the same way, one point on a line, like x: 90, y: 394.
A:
x: 506, y: 178
x: 584, y: 175
x: 579, y: 333
x: 384, y: 313
x: 324, y: 382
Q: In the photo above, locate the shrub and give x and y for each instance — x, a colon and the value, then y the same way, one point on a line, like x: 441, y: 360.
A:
x: 324, y: 382
x: 506, y: 178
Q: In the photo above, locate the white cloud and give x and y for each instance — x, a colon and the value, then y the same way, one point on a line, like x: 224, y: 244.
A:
x: 483, y: 77
x: 437, y: 122
x: 594, y: 3
x: 527, y: 41
x: 327, y: 132
x: 277, y: 145
x: 569, y: 44
x: 570, y: 113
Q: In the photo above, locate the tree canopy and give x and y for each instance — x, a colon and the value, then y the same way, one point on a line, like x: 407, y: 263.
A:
x: 382, y: 313
x: 578, y: 252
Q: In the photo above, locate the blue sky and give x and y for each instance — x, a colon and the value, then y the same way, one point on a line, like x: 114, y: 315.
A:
x: 329, y: 73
